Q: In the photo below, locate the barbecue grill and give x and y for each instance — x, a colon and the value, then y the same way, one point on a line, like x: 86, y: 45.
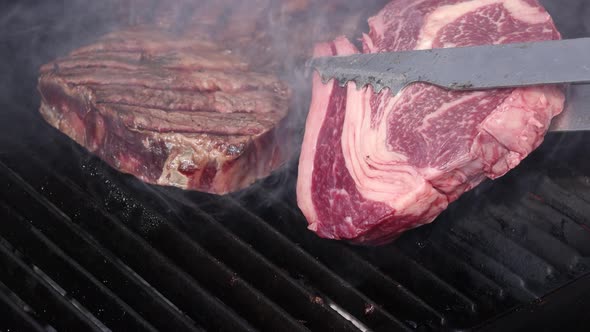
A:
x: 83, y: 247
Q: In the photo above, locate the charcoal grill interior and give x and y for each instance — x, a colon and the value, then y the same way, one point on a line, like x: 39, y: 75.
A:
x: 83, y: 247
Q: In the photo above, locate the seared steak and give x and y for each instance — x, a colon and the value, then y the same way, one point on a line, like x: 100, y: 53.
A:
x: 179, y: 111
x: 375, y: 165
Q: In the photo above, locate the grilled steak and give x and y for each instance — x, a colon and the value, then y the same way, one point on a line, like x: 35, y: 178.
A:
x: 179, y: 111
x: 167, y: 102
x: 375, y: 165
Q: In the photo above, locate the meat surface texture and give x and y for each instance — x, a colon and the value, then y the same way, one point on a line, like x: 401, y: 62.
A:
x: 375, y: 165
x: 171, y: 110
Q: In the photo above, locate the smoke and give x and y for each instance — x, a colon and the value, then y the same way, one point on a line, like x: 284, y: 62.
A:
x: 570, y: 16
x: 291, y: 29
x: 35, y: 32
x: 275, y: 35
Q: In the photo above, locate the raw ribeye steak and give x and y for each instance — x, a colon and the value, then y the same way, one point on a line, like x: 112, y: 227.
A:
x: 171, y: 110
x: 375, y: 165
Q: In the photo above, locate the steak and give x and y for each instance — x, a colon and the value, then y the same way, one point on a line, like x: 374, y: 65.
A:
x: 375, y: 165
x: 189, y: 96
x: 171, y: 110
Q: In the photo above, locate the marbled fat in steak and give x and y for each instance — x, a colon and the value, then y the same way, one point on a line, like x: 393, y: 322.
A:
x: 375, y: 165
x: 172, y: 110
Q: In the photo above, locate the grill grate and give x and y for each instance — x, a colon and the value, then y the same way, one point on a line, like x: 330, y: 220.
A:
x: 110, y: 252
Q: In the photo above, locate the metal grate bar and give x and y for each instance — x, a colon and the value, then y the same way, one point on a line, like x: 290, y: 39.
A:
x: 349, y: 266
x: 501, y: 279
x: 268, y: 238
x: 561, y: 255
x: 250, y: 265
x: 98, y: 299
x: 99, y: 261
x: 270, y: 281
x: 229, y: 286
x: 495, y: 244
x: 168, y: 239
x: 395, y: 297
x: 572, y: 180
x: 49, y: 304
x: 389, y: 253
x: 175, y: 284
x: 418, y: 279
x: 285, y: 221
x: 440, y: 257
x: 256, y: 276
x: 564, y: 201
x: 463, y: 303
x: 560, y: 226
x: 14, y: 317
x: 289, y: 256
x: 235, y: 291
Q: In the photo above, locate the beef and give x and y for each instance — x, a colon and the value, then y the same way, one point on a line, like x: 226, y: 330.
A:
x: 189, y: 95
x: 170, y: 109
x: 375, y: 165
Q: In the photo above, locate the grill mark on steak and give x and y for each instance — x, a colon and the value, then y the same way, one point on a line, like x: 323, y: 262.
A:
x: 259, y: 101
x: 160, y: 78
x: 170, y: 109
x: 153, y: 98
x: 188, y: 122
x: 136, y: 60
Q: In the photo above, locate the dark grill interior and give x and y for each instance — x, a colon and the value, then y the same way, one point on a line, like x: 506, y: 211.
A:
x: 83, y: 247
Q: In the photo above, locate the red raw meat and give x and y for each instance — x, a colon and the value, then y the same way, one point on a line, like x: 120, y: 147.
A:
x: 375, y: 165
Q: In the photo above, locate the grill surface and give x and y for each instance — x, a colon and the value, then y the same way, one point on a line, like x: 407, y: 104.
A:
x: 85, y: 248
